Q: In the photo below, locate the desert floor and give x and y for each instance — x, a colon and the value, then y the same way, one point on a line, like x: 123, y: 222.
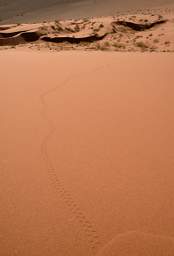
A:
x: 86, y: 153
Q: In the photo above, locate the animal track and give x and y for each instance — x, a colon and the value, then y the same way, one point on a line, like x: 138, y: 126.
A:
x: 86, y: 226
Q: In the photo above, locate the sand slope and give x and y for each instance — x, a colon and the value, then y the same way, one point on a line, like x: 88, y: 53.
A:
x: 86, y: 154
x: 138, y: 243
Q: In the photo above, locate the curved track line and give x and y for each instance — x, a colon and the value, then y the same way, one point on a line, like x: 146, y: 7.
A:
x: 86, y: 225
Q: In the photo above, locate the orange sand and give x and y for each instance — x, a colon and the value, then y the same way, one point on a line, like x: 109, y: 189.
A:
x: 86, y: 154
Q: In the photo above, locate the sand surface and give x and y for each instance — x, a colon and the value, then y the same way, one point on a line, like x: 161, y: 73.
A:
x: 86, y: 154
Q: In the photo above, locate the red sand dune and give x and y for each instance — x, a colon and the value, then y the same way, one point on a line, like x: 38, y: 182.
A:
x: 86, y: 154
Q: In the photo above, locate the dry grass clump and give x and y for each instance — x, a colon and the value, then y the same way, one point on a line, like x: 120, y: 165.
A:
x: 106, y: 44
x: 76, y: 28
x: 156, y: 41
x: 102, y: 46
x: 101, y: 26
x: 96, y: 30
x: 160, y: 17
x: 142, y: 45
x: 137, y: 37
x: 119, y: 45
x: 86, y: 20
x: 167, y: 42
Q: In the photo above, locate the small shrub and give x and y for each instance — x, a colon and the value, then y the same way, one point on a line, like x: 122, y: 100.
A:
x: 160, y: 17
x: 167, y: 42
x: 141, y: 45
x: 156, y: 41
x: 119, y: 45
x: 106, y: 44
x: 103, y: 46
x: 85, y: 20
x: 96, y: 30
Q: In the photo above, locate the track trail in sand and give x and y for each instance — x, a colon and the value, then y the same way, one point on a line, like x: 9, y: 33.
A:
x: 86, y: 225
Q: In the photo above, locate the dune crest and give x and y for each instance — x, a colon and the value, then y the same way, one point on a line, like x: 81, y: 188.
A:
x: 141, y: 32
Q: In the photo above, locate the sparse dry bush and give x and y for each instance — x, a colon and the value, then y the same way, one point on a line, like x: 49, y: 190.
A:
x: 141, y: 45
x: 156, y: 41
x: 119, y: 45
x: 167, y: 42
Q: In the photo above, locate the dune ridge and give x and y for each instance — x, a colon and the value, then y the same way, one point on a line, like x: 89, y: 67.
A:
x: 148, y: 32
